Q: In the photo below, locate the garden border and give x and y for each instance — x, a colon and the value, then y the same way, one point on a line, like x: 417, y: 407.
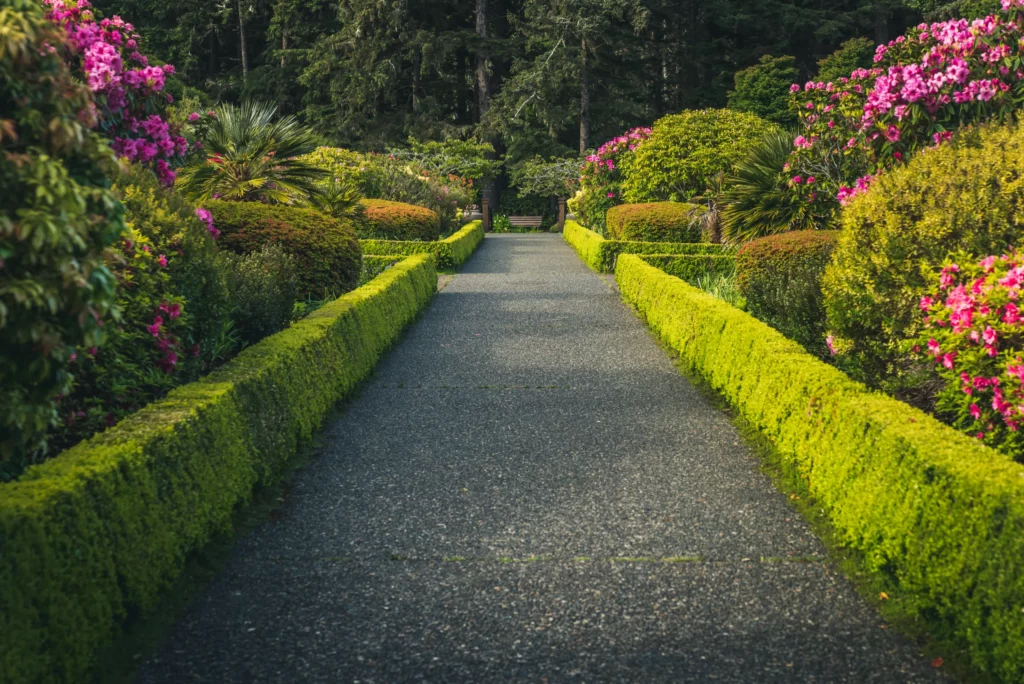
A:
x: 96, y: 534
x: 451, y: 252
x: 934, y: 513
x: 600, y: 254
x: 689, y: 267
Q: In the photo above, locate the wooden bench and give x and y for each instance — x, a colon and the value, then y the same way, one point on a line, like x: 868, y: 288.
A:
x: 525, y: 221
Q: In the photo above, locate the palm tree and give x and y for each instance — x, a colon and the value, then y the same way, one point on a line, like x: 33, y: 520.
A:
x: 250, y: 156
x: 756, y: 201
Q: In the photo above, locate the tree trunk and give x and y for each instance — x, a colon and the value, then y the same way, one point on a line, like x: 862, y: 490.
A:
x: 584, y: 100
x: 881, y: 22
x: 242, y: 41
x: 284, y: 42
x: 483, y: 81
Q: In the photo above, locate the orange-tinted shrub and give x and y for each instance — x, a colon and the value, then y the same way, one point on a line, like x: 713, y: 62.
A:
x: 653, y: 222
x: 386, y: 220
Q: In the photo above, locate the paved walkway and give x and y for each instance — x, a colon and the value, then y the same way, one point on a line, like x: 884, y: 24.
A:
x: 528, y: 490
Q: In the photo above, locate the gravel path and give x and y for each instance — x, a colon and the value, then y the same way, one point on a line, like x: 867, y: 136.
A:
x: 528, y: 490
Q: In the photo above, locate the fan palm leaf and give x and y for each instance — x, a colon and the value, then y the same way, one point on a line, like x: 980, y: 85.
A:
x: 252, y: 156
x: 756, y: 202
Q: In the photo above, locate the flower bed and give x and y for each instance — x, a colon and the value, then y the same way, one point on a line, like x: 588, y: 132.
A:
x: 97, y: 533
x: 450, y: 252
x: 935, y: 515
x: 600, y: 254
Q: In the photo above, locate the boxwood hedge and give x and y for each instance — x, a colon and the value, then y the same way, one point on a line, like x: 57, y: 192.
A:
x: 691, y: 267
x: 600, y: 254
x: 450, y: 252
x: 98, y: 532
x: 936, y: 514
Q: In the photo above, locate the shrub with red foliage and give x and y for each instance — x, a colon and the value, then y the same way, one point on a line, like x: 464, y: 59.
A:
x: 386, y: 220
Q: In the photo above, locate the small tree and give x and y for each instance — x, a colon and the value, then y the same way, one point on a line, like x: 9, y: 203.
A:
x: 763, y: 89
x: 854, y: 54
x: 56, y: 218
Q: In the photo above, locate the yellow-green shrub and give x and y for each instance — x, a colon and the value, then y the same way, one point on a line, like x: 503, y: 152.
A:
x: 653, y: 222
x: 98, y: 532
x: 935, y: 515
x: 386, y: 220
x: 686, y: 150
x: 965, y: 196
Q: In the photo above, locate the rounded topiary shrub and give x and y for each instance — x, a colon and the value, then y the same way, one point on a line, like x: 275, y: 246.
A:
x: 966, y: 196
x: 780, y: 278
x: 685, y: 151
x: 386, y: 220
x: 654, y: 222
x: 325, y: 249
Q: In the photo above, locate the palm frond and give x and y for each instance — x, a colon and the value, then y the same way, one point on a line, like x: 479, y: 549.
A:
x: 251, y: 156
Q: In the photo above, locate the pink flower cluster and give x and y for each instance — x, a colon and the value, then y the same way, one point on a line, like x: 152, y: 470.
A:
x: 974, y: 333
x: 126, y: 87
x: 207, y: 218
x: 925, y: 84
x: 604, y: 158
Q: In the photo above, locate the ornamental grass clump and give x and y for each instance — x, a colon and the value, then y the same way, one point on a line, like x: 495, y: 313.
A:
x: 974, y: 335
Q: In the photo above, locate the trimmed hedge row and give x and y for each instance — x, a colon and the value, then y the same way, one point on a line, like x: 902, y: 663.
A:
x: 386, y: 220
x: 691, y: 267
x: 97, y: 533
x: 935, y: 513
x: 450, y: 252
x: 600, y: 254
x: 373, y: 266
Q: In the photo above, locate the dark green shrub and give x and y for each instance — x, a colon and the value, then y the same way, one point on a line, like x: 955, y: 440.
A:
x: 780, y: 278
x: 856, y: 53
x: 685, y: 151
x: 654, y: 222
x: 263, y: 289
x: 966, y: 196
x: 763, y: 89
x: 56, y: 218
x: 386, y: 220
x: 325, y: 249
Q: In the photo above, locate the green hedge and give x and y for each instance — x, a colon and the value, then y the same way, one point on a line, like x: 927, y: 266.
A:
x: 600, y: 254
x: 450, y: 252
x: 97, y: 533
x: 373, y: 266
x: 690, y: 267
x: 325, y: 248
x: 654, y: 222
x: 935, y: 513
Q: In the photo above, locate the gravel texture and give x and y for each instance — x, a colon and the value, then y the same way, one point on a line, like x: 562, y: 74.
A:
x: 528, y: 490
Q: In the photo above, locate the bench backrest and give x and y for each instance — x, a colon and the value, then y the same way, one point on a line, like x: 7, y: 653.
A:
x: 525, y: 221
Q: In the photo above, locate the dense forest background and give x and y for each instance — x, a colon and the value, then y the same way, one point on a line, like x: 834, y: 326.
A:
x: 534, y: 77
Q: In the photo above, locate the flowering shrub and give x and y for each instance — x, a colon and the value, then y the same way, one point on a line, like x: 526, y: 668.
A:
x: 128, y: 91
x: 600, y: 184
x: 974, y: 333
x: 924, y: 85
x: 964, y: 196
x: 144, y: 350
x: 57, y: 217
